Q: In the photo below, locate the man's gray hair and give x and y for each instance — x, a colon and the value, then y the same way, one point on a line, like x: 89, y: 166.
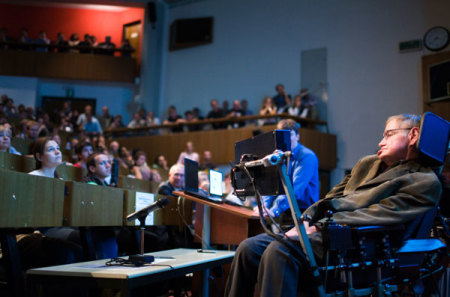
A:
x: 175, y: 167
x: 411, y: 120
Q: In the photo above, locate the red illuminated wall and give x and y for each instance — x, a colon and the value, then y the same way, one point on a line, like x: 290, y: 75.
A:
x: 67, y: 20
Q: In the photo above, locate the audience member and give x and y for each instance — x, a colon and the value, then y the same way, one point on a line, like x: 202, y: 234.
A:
x: 225, y: 107
x: 83, y: 151
x: 36, y: 249
x: 100, y: 143
x: 91, y: 125
x: 85, y: 45
x: 281, y: 99
x: 99, y: 168
x: 197, y: 113
x: 66, y: 125
x: 5, y: 140
x: 216, y: 113
x: 175, y: 181
x: 125, y: 157
x: 117, y: 122
x: 294, y: 109
x: 160, y: 163
x: 42, y: 39
x: 62, y: 45
x: 87, y: 122
x: 21, y: 111
x: 107, y: 47
x: 94, y: 43
x: 141, y: 170
x: 203, y: 181
x: 137, y: 121
x: 206, y: 163
x: 174, y: 118
x: 126, y: 48
x: 188, y: 154
x: 32, y: 132
x: 308, y: 107
x: 152, y: 120
x: 73, y: 43
x: 23, y: 39
x: 114, y: 148
x: 4, y: 38
x: 48, y: 156
x: 30, y: 113
x: 105, y: 119
x: 189, y: 118
x: 236, y: 112
x: 244, y: 104
x: 56, y: 138
x: 10, y: 109
x: 268, y: 107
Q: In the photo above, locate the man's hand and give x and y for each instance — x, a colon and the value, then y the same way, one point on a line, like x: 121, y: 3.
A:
x: 267, y: 212
x: 309, y: 230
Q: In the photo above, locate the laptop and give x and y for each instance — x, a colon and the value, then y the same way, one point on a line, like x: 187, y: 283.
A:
x: 191, y: 183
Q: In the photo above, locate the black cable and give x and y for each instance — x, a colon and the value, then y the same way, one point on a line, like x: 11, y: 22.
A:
x: 187, y: 225
x: 125, y: 262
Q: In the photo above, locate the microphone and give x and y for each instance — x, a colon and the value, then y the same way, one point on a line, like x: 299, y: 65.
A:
x: 148, y: 209
x: 269, y: 160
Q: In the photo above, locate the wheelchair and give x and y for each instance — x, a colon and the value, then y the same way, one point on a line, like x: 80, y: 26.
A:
x: 402, y: 260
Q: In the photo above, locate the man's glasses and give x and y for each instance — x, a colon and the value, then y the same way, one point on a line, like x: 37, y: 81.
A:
x: 392, y: 132
x: 103, y: 163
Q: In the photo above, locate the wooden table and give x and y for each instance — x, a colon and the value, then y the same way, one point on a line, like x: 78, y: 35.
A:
x: 125, y: 278
x: 227, y: 224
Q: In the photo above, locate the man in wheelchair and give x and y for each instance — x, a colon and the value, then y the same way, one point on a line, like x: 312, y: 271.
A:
x: 393, y: 188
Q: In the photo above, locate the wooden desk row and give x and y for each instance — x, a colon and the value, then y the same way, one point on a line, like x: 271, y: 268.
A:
x: 35, y: 201
x: 27, y: 164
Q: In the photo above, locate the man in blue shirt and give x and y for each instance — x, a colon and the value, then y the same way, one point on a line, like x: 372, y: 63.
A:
x: 303, y: 172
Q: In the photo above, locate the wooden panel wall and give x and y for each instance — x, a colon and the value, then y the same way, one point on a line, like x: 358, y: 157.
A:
x: 38, y: 204
x: 441, y: 108
x: 67, y: 66
x: 221, y: 144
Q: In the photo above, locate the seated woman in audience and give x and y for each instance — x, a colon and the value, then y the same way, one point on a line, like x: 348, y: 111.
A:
x: 141, y: 170
x: 5, y: 140
x: 125, y: 158
x: 160, y: 163
x: 268, y: 107
x: 48, y: 156
x: 152, y: 120
x: 294, y: 110
x: 54, y: 246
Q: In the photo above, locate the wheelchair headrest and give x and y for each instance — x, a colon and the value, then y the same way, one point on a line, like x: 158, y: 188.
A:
x: 434, y: 139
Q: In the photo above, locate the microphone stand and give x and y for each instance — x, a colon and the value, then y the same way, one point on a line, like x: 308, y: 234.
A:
x: 281, y: 161
x: 141, y: 259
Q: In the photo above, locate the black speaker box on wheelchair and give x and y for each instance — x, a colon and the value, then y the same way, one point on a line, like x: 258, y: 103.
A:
x: 267, y: 179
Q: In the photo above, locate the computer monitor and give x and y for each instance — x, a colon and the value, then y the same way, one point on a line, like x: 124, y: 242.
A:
x: 215, y: 183
x: 190, y: 175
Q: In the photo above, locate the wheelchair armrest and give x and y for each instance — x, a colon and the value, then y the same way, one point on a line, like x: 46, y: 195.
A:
x: 340, y: 237
x: 371, y: 229
x: 421, y: 246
